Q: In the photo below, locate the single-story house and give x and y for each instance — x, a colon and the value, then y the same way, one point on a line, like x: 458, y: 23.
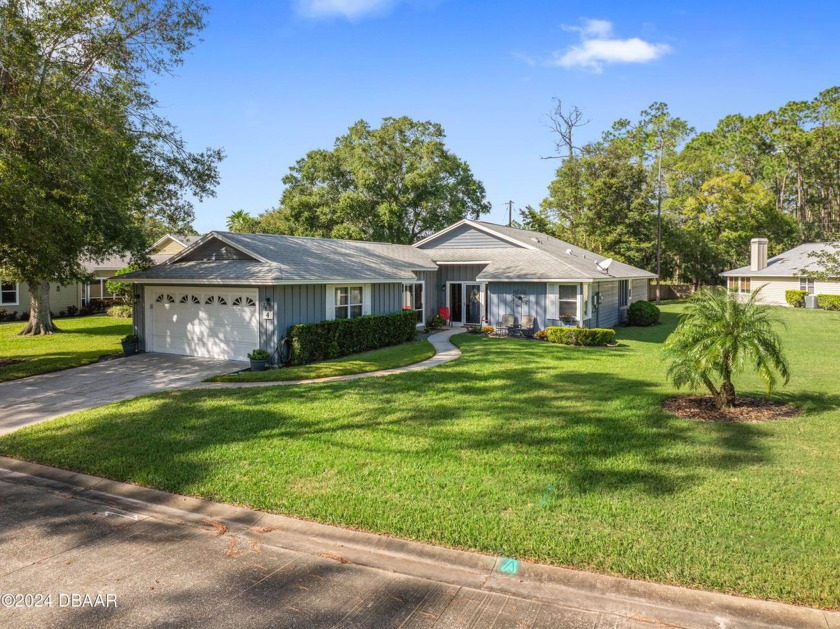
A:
x: 787, y: 271
x: 14, y: 296
x: 229, y: 293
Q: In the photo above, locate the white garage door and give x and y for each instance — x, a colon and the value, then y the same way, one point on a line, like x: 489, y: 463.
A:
x: 221, y: 323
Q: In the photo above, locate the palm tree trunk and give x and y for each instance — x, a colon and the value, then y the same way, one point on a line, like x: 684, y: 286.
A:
x: 727, y: 389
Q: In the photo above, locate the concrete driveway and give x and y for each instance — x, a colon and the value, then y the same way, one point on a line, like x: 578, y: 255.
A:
x: 31, y: 400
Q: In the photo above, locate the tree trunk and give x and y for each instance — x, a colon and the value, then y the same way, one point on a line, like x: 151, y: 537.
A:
x: 40, y: 319
x: 726, y: 395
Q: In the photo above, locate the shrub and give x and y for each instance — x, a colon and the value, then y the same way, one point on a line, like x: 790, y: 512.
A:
x: 796, y: 298
x: 542, y: 335
x: 62, y: 313
x: 311, y: 342
x: 580, y: 336
x: 123, y: 311
x: 23, y: 316
x: 487, y: 329
x: 829, y: 302
x: 642, y: 313
x: 4, y: 315
x: 435, y: 322
x: 72, y: 311
x: 130, y: 338
x: 259, y: 354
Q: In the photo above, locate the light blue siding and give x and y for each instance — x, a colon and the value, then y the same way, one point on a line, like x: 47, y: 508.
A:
x: 467, y: 237
x: 215, y: 249
x: 608, y: 314
x: 518, y: 299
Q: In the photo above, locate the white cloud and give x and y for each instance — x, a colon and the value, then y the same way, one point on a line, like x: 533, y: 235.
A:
x: 598, y: 47
x: 350, y: 9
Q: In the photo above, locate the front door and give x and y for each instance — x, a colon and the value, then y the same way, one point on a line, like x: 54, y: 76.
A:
x: 472, y: 303
x: 466, y: 302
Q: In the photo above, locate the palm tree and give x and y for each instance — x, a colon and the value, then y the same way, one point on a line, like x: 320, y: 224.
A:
x: 241, y: 221
x: 720, y: 335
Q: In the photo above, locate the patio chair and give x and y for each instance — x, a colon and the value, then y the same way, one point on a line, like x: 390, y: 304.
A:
x: 528, y: 325
x: 508, y: 323
x: 443, y: 311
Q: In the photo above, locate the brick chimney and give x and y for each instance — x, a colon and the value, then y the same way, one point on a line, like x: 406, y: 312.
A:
x: 758, y: 254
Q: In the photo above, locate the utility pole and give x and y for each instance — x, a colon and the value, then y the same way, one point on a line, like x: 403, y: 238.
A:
x: 659, y: 222
x: 510, y: 213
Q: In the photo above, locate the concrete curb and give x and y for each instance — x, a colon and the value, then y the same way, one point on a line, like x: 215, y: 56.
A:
x: 445, y: 352
x: 647, y: 602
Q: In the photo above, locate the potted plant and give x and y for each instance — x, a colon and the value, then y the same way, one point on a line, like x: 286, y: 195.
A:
x: 259, y: 359
x: 129, y: 344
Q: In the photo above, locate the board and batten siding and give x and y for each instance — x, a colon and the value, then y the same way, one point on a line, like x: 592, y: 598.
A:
x: 467, y: 237
x: 518, y: 299
x: 433, y: 295
x: 138, y: 314
x: 215, y: 249
x: 608, y: 314
x: 448, y: 273
x: 385, y: 298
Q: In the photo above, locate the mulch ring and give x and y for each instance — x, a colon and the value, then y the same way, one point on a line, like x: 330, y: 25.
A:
x: 5, y: 362
x: 745, y: 410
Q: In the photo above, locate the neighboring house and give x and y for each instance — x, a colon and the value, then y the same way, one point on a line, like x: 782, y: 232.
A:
x: 14, y: 297
x: 229, y: 293
x: 781, y: 273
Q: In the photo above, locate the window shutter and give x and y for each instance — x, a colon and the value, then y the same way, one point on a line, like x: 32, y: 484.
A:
x: 330, y: 301
x: 366, y: 299
x: 551, y: 304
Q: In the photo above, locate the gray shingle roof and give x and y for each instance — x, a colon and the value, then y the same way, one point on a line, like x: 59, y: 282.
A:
x: 559, y: 259
x: 294, y: 259
x: 791, y: 263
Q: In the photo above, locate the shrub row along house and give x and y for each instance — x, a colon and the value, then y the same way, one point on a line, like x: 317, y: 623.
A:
x: 229, y: 293
x: 788, y: 271
x: 14, y: 296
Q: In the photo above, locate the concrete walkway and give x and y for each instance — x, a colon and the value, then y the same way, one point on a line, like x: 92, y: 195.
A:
x: 38, y: 398
x: 445, y: 352
x: 169, y: 560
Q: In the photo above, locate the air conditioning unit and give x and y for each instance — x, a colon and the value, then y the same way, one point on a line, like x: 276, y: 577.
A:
x: 811, y: 301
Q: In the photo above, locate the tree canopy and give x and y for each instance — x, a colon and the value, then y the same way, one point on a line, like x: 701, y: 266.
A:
x: 774, y: 174
x: 395, y: 183
x: 88, y: 167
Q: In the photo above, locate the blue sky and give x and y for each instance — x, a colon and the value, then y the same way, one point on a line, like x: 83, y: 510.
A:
x: 274, y: 80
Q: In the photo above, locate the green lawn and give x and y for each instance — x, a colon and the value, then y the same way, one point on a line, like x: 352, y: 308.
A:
x: 384, y: 358
x: 529, y: 450
x: 82, y: 340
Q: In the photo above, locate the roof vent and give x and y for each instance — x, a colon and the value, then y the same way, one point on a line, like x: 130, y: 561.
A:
x: 569, y: 252
x: 535, y: 239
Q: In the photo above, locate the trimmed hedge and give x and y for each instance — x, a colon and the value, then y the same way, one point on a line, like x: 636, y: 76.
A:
x: 642, y: 313
x: 311, y: 342
x: 796, y: 298
x: 580, y: 336
x: 829, y: 302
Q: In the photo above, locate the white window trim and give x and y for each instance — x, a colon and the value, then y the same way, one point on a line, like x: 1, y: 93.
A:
x: 741, y: 283
x: 422, y: 321
x: 17, y: 296
x: 330, y: 298
x: 553, y: 299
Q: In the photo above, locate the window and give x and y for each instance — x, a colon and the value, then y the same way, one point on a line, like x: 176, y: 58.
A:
x: 623, y: 293
x: 9, y: 294
x: 567, y: 302
x: 732, y: 284
x: 413, y: 299
x: 806, y: 285
x: 348, y: 302
x: 745, y: 285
